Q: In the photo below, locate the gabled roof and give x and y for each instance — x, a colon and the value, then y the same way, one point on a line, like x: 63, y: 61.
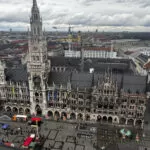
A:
x: 100, y: 65
x: 143, y: 57
x: 134, y: 83
x: 18, y: 74
x: 84, y: 80
x: 81, y: 80
x: 60, y: 78
x: 98, y: 48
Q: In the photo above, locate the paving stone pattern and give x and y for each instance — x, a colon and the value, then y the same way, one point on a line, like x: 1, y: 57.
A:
x: 63, y: 136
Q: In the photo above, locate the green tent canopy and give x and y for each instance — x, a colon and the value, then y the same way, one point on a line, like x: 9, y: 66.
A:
x: 125, y: 132
x: 32, y: 144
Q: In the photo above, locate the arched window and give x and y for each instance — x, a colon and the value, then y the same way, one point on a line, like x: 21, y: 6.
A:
x: 99, y: 105
x: 132, y: 101
x: 124, y: 100
x: 38, y: 30
x: 111, y: 100
x: 36, y: 94
x: 37, y: 101
x: 34, y: 30
x: 100, y: 98
x: 106, y: 99
x: 35, y: 16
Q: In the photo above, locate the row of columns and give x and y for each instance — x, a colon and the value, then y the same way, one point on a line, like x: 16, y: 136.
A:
x: 99, y: 118
x: 18, y: 110
x: 84, y: 117
x: 131, y: 121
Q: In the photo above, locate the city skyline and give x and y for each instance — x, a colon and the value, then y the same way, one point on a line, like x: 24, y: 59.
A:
x: 104, y: 15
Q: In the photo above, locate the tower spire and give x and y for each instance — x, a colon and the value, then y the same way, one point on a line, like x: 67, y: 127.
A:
x: 36, y: 21
x: 34, y: 3
x: 35, y: 6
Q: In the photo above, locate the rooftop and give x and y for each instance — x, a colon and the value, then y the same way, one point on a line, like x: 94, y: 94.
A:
x: 99, y: 48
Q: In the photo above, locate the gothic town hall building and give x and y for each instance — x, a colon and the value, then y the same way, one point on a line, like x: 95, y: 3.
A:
x: 63, y: 88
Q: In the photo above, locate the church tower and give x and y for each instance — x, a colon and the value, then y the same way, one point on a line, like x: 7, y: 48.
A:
x: 38, y: 65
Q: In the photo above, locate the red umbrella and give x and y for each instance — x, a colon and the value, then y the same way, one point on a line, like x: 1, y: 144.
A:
x: 36, y: 119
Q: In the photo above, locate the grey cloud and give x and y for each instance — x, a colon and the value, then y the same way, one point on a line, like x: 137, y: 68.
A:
x: 140, y: 3
x: 87, y: 2
x: 99, y: 13
x: 103, y: 20
x: 15, y: 17
x: 85, y: 19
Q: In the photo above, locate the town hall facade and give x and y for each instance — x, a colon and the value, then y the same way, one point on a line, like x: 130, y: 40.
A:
x: 56, y: 89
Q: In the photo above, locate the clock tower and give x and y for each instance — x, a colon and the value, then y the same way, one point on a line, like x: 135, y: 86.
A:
x: 38, y: 65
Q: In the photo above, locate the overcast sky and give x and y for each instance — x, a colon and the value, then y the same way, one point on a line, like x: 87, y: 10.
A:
x: 106, y: 15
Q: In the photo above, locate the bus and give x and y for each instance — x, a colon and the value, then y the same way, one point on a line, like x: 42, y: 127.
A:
x: 19, y: 118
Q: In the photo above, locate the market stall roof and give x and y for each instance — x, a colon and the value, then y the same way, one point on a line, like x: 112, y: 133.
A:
x: 32, y: 144
x: 21, y: 116
x: 5, y: 126
x: 36, y: 119
x: 9, y: 144
x: 125, y: 132
x: 27, y: 141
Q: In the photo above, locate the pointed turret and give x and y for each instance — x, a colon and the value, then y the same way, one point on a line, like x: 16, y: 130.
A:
x: 34, y: 3
x: 36, y: 22
x: 69, y: 38
x: 35, y: 6
x: 69, y: 30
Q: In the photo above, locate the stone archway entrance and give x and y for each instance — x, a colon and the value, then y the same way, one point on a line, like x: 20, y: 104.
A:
x: 99, y: 118
x: 130, y: 122
x: 8, y: 109
x: 15, y: 110
x: 64, y: 116
x: 27, y: 111
x: 138, y: 123
x: 80, y: 116
x: 73, y: 116
x: 116, y: 120
x: 38, y: 110
x: 105, y: 106
x: 122, y: 120
x: 109, y: 119
x: 50, y: 114
x: 87, y: 117
x: 21, y: 111
x: 56, y: 115
x: 104, y: 119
